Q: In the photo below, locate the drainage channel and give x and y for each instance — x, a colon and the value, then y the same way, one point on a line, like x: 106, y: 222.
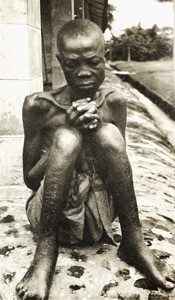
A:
x: 161, y: 111
x: 167, y: 107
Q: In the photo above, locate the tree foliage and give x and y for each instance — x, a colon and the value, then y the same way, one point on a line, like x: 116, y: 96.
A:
x: 141, y: 44
x: 110, y: 16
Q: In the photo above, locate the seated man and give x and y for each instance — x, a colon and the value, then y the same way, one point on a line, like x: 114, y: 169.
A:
x: 75, y: 162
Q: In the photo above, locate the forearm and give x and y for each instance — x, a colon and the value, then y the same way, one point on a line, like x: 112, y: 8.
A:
x: 35, y: 175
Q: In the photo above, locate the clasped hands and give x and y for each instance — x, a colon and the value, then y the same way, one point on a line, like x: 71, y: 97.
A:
x: 83, y: 114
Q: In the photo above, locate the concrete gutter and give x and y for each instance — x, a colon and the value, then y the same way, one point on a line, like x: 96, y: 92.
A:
x: 168, y: 108
x: 165, y: 124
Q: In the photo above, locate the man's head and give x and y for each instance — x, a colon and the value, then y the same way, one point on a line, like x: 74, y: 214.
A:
x: 81, y: 54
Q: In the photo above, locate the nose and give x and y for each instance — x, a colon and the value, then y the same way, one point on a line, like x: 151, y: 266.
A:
x: 84, y: 72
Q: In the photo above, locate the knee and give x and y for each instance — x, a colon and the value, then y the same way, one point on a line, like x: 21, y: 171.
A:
x: 68, y: 140
x: 109, y: 138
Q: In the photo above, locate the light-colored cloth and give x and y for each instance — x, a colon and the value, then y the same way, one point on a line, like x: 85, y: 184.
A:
x: 89, y: 202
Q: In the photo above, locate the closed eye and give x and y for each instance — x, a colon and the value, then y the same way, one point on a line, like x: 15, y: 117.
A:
x: 94, y: 62
x: 72, y: 64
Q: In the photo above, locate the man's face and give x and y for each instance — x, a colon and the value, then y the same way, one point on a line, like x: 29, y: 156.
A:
x: 83, y: 64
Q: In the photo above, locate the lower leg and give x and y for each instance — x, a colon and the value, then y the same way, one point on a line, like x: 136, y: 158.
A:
x: 109, y: 147
x: 36, y: 282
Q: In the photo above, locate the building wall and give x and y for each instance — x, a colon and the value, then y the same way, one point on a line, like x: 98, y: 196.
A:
x: 21, y: 63
x: 60, y: 14
x: 46, y: 41
x: 53, y: 15
x: 29, y: 54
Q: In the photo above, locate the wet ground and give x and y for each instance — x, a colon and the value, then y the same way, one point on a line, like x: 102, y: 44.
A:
x: 95, y: 272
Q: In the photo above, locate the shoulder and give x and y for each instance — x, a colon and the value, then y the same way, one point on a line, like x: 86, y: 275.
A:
x: 36, y: 102
x: 114, y: 96
x: 43, y: 101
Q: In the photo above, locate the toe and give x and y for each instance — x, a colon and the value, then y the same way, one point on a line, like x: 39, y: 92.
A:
x: 170, y: 279
x: 29, y: 296
x: 168, y: 285
x: 172, y: 276
x: 20, y: 291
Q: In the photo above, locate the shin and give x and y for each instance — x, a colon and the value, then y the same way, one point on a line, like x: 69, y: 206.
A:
x: 65, y: 149
x: 109, y: 147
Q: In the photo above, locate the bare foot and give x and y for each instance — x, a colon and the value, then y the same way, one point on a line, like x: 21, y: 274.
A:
x: 141, y: 257
x: 36, y: 282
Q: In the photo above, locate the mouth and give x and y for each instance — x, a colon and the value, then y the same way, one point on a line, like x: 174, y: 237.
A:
x: 86, y: 85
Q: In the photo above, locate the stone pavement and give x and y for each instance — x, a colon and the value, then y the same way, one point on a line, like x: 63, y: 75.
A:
x: 95, y: 272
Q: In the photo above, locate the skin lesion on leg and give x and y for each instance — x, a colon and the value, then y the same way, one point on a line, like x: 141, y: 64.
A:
x: 110, y: 152
x: 36, y: 282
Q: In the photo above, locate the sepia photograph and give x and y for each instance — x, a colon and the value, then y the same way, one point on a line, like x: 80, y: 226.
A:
x: 87, y: 150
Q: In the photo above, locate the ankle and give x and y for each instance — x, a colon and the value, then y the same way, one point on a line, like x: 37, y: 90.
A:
x: 134, y: 242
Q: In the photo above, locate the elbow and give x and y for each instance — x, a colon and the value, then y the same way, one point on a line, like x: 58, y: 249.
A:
x: 31, y: 184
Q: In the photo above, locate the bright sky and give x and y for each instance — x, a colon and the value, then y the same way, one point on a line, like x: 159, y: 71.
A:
x: 148, y: 12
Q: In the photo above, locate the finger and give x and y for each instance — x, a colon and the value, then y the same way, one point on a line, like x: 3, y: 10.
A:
x: 93, y: 122
x: 80, y: 101
x: 88, y: 116
x: 73, y: 117
x: 87, y: 108
x: 92, y: 110
x: 83, y: 105
x: 70, y: 110
x: 93, y: 126
x: 90, y: 125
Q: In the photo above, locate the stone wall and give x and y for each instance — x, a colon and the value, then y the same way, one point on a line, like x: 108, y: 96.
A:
x: 21, y: 63
x: 29, y: 53
x: 61, y: 13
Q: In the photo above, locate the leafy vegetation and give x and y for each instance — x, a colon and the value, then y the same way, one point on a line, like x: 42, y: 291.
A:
x: 140, y: 44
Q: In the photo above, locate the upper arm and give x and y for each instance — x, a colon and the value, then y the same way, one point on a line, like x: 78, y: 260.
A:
x: 118, y: 107
x: 32, y: 134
